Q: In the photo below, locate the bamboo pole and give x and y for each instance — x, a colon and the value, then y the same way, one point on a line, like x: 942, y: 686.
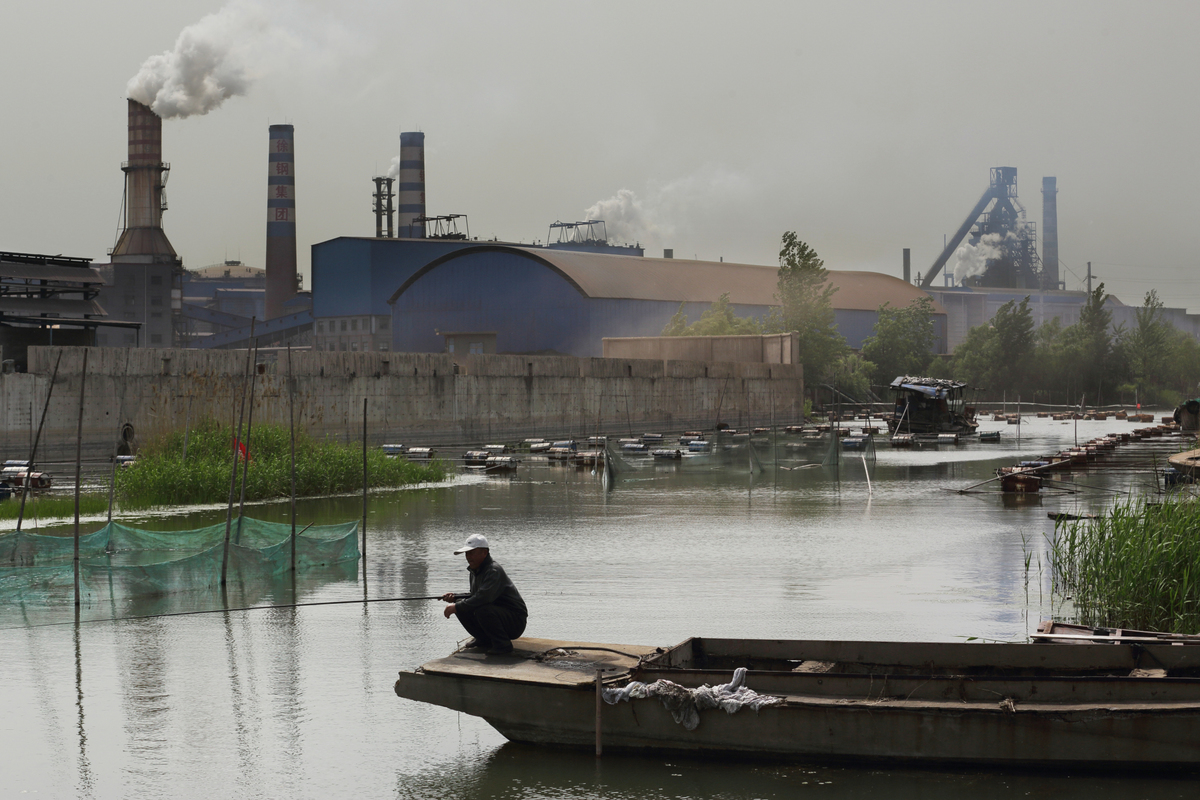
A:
x: 364, y: 514
x: 37, y: 437
x: 79, y: 469
x: 246, y: 443
x: 235, y: 434
x: 292, y: 426
x: 112, y: 476
x: 187, y: 425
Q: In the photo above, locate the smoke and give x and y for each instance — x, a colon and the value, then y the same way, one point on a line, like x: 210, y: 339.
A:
x: 678, y: 208
x: 224, y: 53
x: 394, y: 170
x: 971, y: 260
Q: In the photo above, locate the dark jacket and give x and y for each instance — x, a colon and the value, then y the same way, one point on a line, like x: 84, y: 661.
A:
x: 490, y: 584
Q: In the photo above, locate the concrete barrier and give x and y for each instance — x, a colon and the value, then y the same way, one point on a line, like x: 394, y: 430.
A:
x: 412, y: 398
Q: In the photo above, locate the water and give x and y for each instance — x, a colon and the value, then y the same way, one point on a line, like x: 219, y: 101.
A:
x: 298, y: 703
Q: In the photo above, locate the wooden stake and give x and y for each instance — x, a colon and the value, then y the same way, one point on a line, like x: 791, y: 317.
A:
x: 79, y: 468
x: 599, y: 707
x: 36, y: 439
x: 187, y: 426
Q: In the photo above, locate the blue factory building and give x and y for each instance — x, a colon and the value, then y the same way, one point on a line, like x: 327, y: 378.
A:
x: 489, y: 297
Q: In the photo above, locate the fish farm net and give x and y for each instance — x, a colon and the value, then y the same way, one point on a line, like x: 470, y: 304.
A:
x: 121, y: 561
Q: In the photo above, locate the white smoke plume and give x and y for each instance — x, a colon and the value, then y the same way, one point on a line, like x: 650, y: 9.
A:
x: 670, y: 209
x: 971, y: 260
x: 394, y: 170
x: 224, y: 53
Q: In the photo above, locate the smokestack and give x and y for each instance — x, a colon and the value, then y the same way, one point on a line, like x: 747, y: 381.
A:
x: 383, y: 205
x: 907, y: 265
x: 411, y: 188
x: 144, y: 182
x: 1049, y: 233
x: 281, y: 220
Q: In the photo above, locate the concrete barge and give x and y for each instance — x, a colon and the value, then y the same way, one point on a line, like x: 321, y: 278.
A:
x: 1096, y: 705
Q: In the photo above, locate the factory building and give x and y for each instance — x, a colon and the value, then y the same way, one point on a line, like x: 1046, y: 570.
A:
x: 511, y: 299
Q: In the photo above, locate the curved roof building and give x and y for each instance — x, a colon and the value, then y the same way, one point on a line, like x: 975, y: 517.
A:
x: 539, y: 300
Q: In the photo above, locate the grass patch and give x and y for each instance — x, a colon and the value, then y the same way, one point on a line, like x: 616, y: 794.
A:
x: 52, y: 506
x: 161, y: 476
x: 1136, y: 567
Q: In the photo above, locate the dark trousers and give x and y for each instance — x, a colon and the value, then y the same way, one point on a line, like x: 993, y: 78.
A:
x: 493, y: 626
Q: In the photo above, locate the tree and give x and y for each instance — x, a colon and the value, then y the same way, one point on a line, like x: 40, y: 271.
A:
x: 1013, y: 324
x: 805, y: 307
x: 1146, y: 346
x: 902, y: 342
x: 1089, y: 346
x: 975, y: 357
x: 717, y: 320
x: 851, y: 375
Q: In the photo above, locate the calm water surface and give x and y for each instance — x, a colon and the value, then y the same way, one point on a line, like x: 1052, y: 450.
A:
x: 298, y: 703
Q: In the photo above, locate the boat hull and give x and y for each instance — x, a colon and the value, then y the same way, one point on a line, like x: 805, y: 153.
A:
x: 1128, y: 722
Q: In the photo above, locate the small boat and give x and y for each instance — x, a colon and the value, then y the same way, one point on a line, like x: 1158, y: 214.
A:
x: 1068, y: 633
x: 1018, y: 480
x: 931, y: 405
x: 667, y: 455
x: 541, y: 446
x: 989, y: 436
x: 419, y: 453
x: 475, y: 458
x: 18, y: 476
x: 557, y: 453
x: 496, y: 449
x: 901, y: 440
x: 699, y: 446
x: 588, y: 458
x: 389, y: 450
x: 633, y: 447
x: 652, y: 438
x: 1117, y: 704
x: 855, y: 442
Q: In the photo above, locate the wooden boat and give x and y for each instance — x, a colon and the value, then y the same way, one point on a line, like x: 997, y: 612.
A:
x: 1186, y: 462
x: 989, y: 436
x: 1069, y: 633
x: 1107, y: 706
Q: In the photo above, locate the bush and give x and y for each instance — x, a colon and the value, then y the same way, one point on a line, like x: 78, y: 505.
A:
x: 160, y: 476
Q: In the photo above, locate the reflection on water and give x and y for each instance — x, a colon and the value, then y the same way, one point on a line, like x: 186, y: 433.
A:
x: 298, y: 702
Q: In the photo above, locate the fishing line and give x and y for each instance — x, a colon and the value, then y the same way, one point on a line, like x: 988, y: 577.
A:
x: 227, y: 610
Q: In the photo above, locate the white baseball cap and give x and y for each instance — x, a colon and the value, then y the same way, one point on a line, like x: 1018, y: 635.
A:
x: 474, y: 541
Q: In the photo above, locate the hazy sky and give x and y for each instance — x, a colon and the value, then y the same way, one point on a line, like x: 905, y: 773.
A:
x: 706, y: 127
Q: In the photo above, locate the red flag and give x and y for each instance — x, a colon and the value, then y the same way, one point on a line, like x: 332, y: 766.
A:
x: 242, y: 448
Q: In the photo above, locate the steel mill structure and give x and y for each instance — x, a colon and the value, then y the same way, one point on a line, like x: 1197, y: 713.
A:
x: 998, y: 221
x: 144, y: 276
x: 281, y: 220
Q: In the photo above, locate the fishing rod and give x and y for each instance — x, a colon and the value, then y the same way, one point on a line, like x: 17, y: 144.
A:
x: 230, y: 610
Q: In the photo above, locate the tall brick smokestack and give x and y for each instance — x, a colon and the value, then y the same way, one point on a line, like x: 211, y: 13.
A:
x: 1049, y: 233
x: 281, y: 220
x: 410, y: 188
x: 144, y: 182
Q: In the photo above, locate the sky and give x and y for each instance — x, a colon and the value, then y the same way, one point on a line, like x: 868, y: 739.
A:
x: 706, y: 127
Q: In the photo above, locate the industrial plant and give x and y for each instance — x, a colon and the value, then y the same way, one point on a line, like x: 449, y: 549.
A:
x: 423, y: 283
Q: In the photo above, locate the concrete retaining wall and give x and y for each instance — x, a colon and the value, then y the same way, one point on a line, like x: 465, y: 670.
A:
x: 772, y: 348
x: 412, y: 398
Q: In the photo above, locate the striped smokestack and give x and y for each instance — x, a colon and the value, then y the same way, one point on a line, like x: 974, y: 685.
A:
x: 281, y: 220
x: 410, y: 190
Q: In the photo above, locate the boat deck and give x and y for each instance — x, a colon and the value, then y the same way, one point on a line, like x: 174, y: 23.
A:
x: 543, y: 661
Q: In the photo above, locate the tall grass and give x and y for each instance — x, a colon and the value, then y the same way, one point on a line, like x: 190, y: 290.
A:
x: 52, y: 506
x: 162, y: 477
x: 1136, y: 567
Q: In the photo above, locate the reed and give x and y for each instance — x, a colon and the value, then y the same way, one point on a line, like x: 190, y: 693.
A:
x: 54, y: 506
x: 1136, y: 567
x: 162, y: 477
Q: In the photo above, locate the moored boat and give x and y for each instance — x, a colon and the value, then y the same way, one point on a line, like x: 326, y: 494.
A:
x: 1103, y: 705
x: 931, y: 405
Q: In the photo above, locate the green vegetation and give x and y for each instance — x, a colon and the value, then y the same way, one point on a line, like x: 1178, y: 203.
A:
x: 161, y: 477
x: 902, y: 342
x: 52, y: 506
x: 1151, y: 362
x: 717, y: 320
x: 1137, y: 567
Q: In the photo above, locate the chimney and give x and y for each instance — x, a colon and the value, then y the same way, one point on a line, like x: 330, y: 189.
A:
x: 907, y: 265
x: 281, y: 220
x: 411, y: 189
x: 1049, y: 233
x: 383, y: 205
x: 144, y: 183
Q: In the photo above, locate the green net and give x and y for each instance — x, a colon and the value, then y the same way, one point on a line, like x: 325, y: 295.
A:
x: 120, y: 561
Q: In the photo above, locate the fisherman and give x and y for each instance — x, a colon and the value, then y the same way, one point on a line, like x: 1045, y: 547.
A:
x: 493, y: 611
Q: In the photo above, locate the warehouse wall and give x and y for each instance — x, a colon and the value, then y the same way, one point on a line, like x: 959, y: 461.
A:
x: 413, y: 398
